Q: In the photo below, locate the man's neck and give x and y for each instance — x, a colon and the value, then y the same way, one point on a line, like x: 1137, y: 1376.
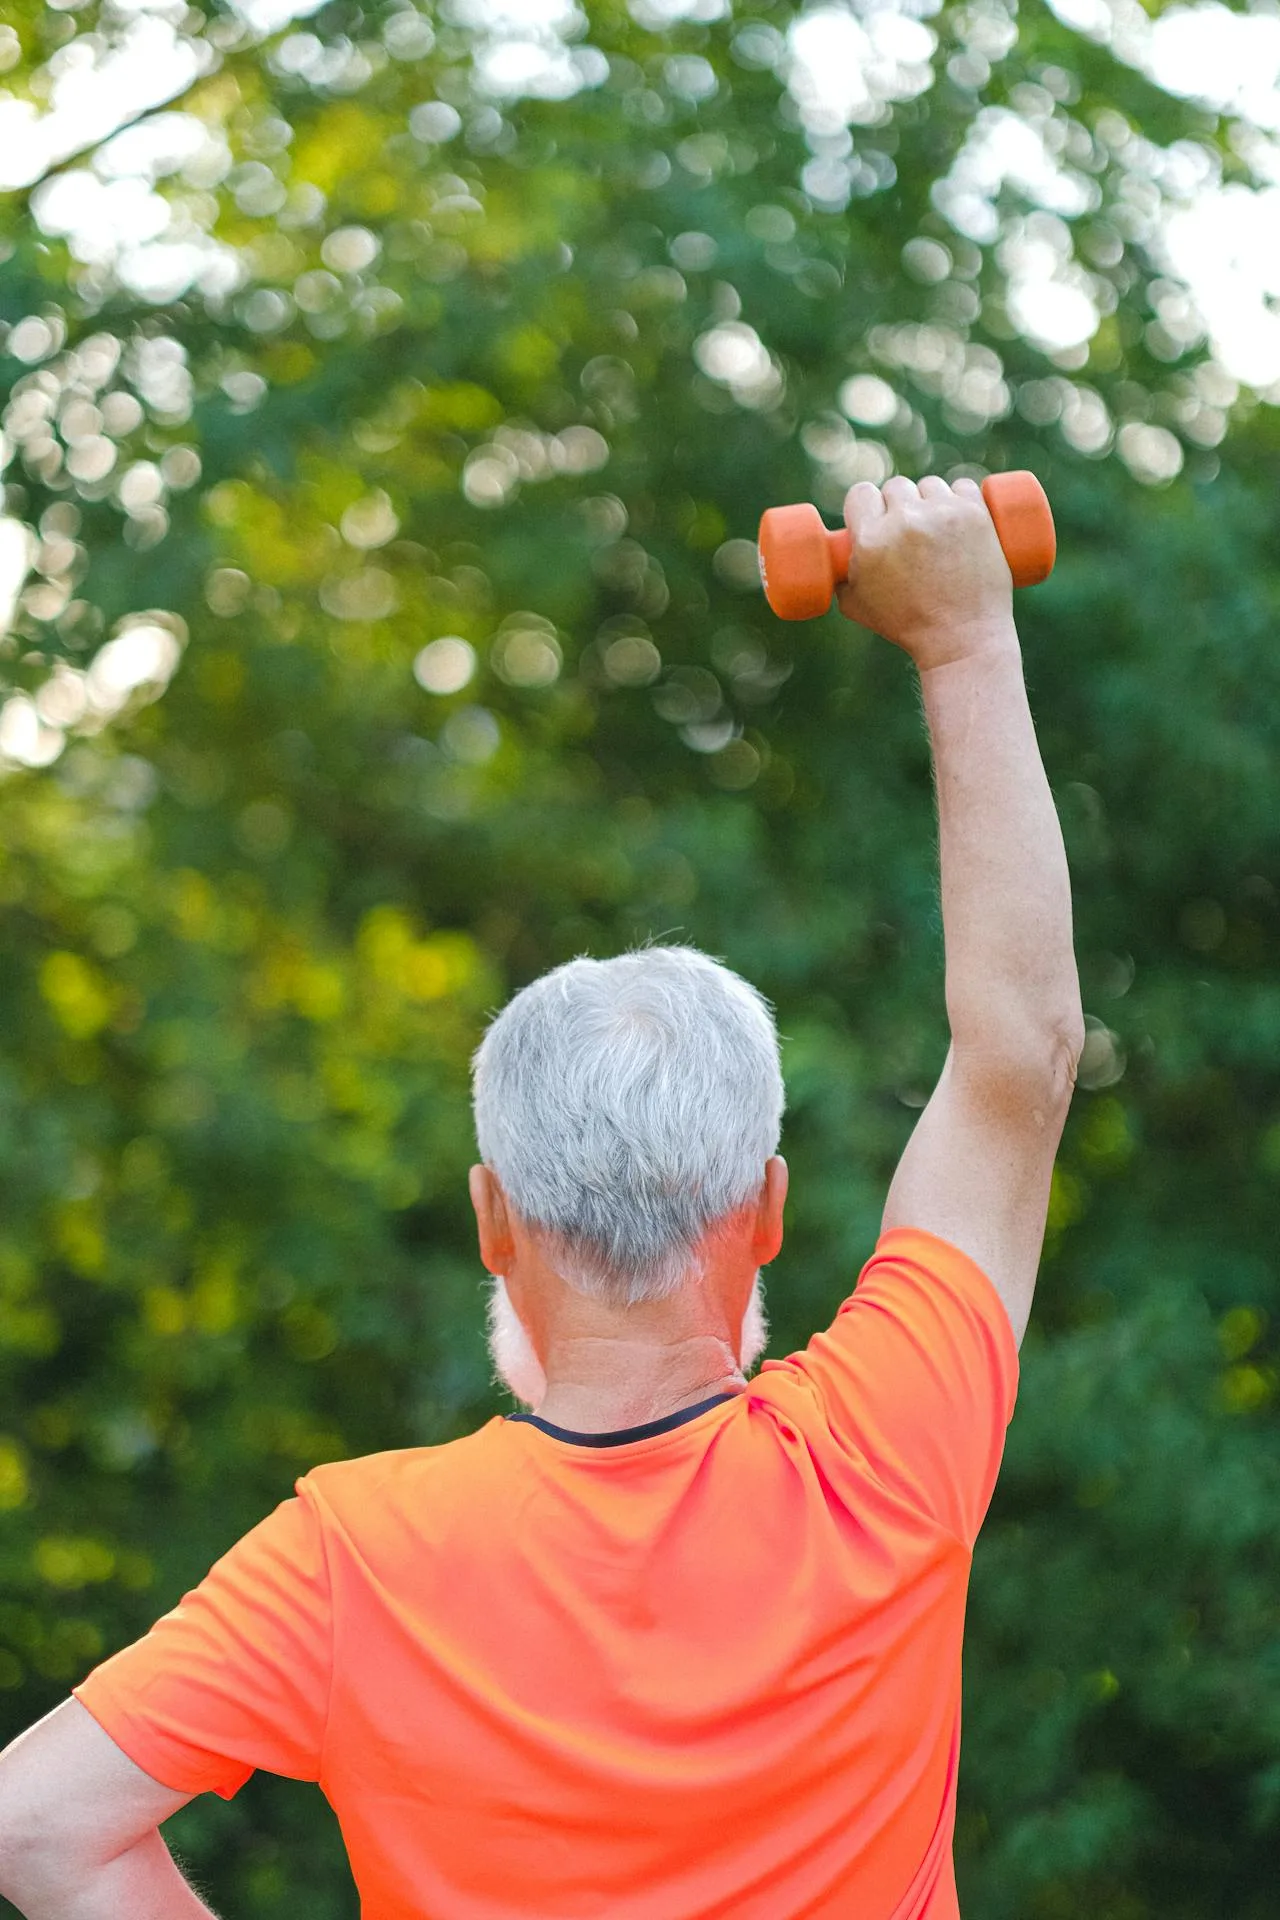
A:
x: 646, y: 1387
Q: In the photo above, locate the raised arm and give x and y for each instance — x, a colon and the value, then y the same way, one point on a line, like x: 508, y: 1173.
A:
x: 930, y: 575
x: 1006, y: 893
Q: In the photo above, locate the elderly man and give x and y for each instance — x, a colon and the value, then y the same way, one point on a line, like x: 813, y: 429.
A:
x: 674, y: 1643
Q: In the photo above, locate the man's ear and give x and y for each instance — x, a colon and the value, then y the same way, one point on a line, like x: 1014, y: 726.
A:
x: 496, y: 1243
x: 767, y: 1238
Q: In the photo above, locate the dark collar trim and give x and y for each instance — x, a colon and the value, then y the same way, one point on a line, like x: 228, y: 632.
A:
x: 622, y: 1435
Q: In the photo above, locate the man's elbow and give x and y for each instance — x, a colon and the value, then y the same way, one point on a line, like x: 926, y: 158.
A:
x: 1070, y: 1035
x: 1031, y: 1048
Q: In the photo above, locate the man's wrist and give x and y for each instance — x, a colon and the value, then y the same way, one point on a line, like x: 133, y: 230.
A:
x: 965, y: 640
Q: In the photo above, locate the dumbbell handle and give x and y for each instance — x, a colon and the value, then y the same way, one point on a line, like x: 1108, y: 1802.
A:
x: 802, y: 561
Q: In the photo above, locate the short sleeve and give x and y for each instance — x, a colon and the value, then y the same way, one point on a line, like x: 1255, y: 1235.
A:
x: 236, y: 1676
x: 919, y: 1374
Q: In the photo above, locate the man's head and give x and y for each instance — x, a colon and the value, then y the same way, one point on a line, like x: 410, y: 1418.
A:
x: 628, y: 1113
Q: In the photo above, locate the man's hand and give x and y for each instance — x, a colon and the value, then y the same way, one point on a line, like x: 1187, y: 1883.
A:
x: 928, y: 571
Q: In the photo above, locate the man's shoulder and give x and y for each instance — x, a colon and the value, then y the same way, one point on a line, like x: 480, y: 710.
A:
x: 366, y: 1473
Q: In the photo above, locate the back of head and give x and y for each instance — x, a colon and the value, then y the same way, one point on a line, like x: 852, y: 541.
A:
x: 627, y: 1105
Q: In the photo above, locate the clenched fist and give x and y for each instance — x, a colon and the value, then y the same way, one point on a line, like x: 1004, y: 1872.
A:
x: 927, y: 571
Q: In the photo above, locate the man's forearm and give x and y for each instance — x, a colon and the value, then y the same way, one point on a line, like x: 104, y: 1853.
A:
x: 143, y: 1883
x: 1006, y: 890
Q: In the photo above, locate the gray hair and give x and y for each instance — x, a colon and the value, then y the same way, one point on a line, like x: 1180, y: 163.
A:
x: 627, y: 1106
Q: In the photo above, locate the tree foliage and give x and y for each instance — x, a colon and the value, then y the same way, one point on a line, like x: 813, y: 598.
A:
x: 393, y: 632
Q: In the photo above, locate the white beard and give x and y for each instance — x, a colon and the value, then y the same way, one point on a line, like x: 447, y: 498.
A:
x: 754, y: 1337
x: 520, y: 1371
x: 511, y: 1350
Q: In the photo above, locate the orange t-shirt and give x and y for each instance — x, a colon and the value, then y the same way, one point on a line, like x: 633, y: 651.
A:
x: 705, y: 1670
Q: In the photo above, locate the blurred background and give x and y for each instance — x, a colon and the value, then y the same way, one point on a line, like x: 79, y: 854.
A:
x: 391, y: 397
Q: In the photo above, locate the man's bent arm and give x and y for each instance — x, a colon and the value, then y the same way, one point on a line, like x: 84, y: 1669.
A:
x: 143, y: 1883
x: 1011, y: 980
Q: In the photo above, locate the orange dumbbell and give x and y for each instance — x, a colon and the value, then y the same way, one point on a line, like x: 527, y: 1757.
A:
x: 802, y: 561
